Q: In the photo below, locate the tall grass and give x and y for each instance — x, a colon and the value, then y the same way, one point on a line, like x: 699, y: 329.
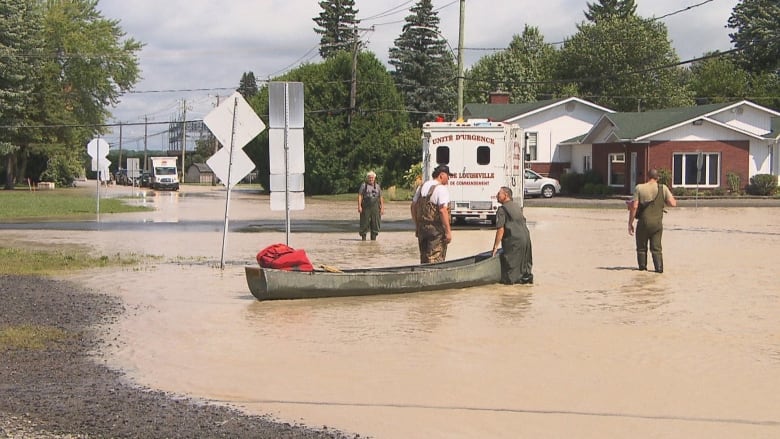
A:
x: 28, y: 261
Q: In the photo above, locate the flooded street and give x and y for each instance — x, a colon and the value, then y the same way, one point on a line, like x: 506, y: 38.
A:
x: 593, y: 349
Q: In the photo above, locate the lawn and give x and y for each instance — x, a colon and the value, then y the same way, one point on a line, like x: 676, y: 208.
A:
x: 58, y: 204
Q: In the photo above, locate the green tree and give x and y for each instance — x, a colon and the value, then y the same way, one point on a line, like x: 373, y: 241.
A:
x: 338, y: 153
x: 624, y: 64
x: 337, y: 25
x: 248, y: 85
x: 93, y: 61
x: 765, y: 89
x: 87, y: 67
x: 609, y: 9
x: 205, y: 147
x: 757, y: 36
x: 424, y: 66
x: 524, y: 70
x: 20, y: 57
x: 718, y: 79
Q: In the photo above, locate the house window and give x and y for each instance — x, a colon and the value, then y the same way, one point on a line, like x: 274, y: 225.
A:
x: 617, y: 169
x: 686, y: 168
x: 443, y: 155
x: 483, y: 155
x: 587, y: 163
x: 530, y: 146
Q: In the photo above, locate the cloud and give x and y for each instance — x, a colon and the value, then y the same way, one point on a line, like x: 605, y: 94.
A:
x: 205, y: 46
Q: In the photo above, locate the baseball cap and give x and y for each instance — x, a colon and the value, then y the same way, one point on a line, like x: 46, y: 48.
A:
x: 441, y: 168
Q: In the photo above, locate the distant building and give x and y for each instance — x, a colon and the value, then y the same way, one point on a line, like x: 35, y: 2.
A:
x: 199, y: 173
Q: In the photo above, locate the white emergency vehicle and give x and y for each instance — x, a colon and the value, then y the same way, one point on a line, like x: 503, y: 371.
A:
x: 482, y: 156
x: 164, y: 175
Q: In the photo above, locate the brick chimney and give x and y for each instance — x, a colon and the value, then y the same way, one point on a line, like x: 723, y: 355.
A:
x: 499, y: 97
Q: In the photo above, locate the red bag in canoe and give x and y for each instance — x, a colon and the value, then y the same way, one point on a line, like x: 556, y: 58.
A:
x: 283, y: 257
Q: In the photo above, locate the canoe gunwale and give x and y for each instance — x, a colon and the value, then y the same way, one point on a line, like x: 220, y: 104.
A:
x: 270, y: 284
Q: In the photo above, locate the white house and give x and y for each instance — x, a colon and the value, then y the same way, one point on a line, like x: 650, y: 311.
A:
x: 547, y: 125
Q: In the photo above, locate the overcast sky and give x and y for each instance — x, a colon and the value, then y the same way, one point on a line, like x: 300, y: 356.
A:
x: 197, y: 50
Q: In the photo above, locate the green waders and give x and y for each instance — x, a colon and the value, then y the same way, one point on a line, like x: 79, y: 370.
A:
x: 369, y: 217
x: 650, y: 228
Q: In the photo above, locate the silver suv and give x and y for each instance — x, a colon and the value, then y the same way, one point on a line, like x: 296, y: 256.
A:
x: 535, y: 184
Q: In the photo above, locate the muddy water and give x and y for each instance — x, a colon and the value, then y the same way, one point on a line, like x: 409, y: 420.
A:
x: 593, y: 349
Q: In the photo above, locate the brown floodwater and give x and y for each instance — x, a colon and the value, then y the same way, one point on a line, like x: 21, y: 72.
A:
x: 593, y: 349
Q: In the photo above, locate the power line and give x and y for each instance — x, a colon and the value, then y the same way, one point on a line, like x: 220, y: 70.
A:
x: 387, y: 23
x: 688, y: 8
x: 392, y: 11
x: 683, y: 10
x: 297, y: 61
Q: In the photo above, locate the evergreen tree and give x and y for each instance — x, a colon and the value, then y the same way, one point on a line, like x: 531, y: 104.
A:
x: 338, y: 26
x: 248, y: 85
x: 20, y: 56
x: 425, y: 71
x: 626, y: 64
x: 524, y: 70
x: 608, y: 9
x: 757, y: 24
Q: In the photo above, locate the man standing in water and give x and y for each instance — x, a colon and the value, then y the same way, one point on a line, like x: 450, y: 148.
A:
x: 515, y: 239
x: 431, y: 215
x: 371, y: 206
x: 647, y: 207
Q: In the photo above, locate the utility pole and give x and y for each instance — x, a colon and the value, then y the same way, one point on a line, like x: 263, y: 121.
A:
x: 460, y: 59
x: 119, y: 165
x: 146, y: 125
x: 216, y: 143
x: 353, y: 82
x: 183, y: 137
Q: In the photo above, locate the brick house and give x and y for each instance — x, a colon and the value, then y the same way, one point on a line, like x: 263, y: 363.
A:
x: 700, y: 146
x: 546, y: 125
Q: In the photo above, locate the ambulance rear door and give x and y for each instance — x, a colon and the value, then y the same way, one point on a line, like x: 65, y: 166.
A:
x: 477, y: 160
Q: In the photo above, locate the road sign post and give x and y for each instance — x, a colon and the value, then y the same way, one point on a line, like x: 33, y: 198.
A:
x: 285, y: 147
x: 133, y: 170
x: 97, y: 148
x: 234, y: 124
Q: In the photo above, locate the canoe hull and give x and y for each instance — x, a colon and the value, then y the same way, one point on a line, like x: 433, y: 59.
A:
x: 272, y: 284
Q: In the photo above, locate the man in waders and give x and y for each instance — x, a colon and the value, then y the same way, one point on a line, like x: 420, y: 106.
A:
x: 515, y: 240
x: 430, y: 211
x: 371, y: 206
x: 647, y: 207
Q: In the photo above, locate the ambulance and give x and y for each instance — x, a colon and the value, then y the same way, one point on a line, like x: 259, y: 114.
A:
x: 165, y: 175
x: 482, y: 156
